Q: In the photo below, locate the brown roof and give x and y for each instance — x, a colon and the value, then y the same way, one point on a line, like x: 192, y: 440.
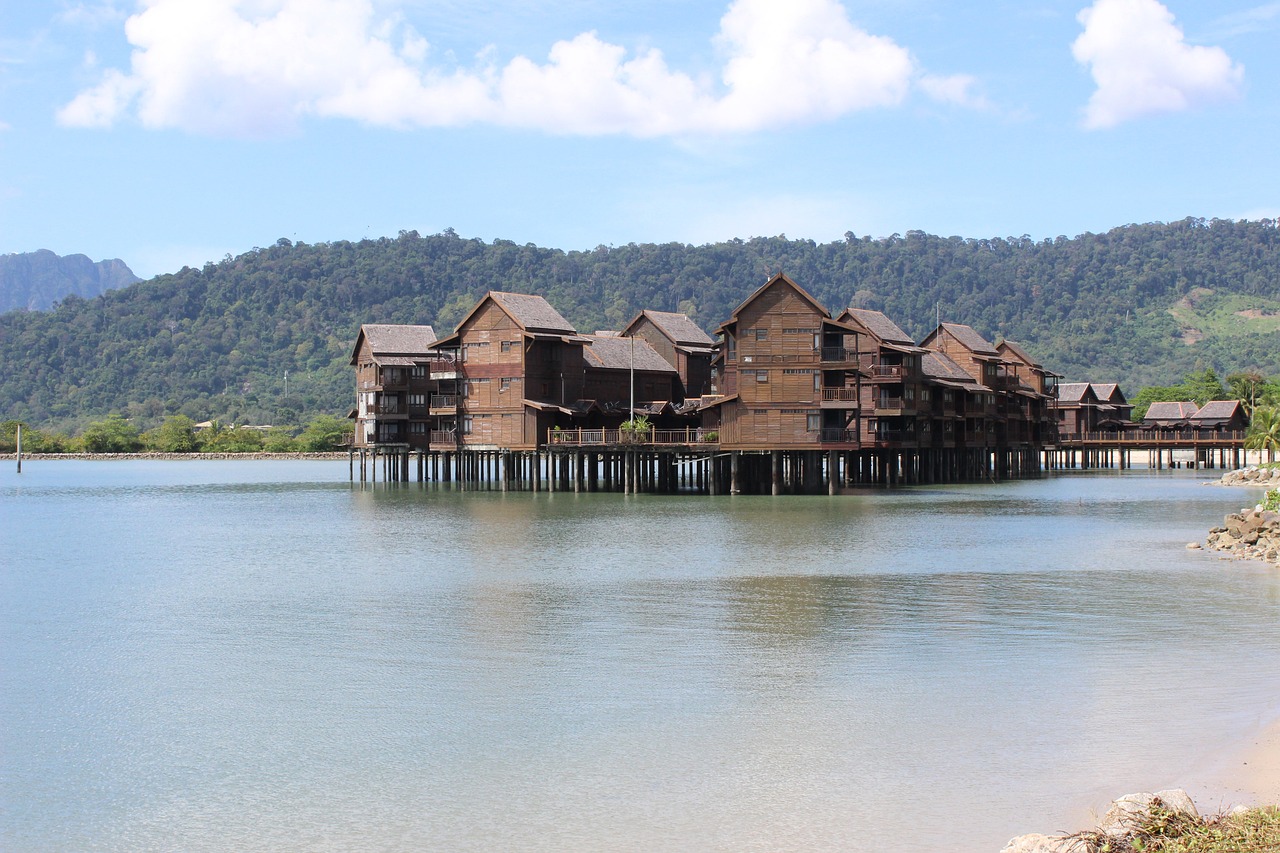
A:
x: 879, y: 325
x: 1110, y: 392
x: 1073, y: 392
x: 389, y: 339
x: 616, y: 353
x: 1217, y: 410
x: 678, y: 327
x: 533, y: 313
x: 1018, y: 352
x: 970, y: 339
x: 1169, y: 411
x: 939, y: 366
x: 783, y: 278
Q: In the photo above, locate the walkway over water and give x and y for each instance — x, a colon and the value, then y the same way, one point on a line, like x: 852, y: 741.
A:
x: 686, y: 461
x: 1219, y: 449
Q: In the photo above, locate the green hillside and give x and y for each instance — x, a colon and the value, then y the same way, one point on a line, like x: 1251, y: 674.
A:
x: 1142, y: 305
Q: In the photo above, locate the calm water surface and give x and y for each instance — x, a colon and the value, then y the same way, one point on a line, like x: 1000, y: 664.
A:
x: 258, y: 656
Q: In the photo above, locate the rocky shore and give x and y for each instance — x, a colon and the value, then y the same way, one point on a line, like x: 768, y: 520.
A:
x: 1129, y: 824
x: 1251, y: 476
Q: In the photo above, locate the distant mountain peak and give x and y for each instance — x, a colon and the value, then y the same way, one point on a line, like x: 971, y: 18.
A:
x: 37, y: 280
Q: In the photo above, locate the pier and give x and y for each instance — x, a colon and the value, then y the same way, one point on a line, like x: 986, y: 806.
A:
x: 1216, y: 449
x: 683, y: 463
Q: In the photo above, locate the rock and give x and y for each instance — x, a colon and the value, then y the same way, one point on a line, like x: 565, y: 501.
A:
x: 1194, y: 546
x: 1128, y: 813
x: 1037, y: 843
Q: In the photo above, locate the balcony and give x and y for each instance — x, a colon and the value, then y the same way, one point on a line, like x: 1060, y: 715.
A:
x: 886, y: 371
x: 444, y: 437
x: 443, y: 404
x: 835, y: 435
x: 840, y: 398
x: 839, y: 355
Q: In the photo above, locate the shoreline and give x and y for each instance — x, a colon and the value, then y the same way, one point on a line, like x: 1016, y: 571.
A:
x: 1249, y: 774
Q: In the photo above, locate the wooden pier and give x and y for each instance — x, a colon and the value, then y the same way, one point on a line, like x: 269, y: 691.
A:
x: 594, y: 461
x: 1117, y: 450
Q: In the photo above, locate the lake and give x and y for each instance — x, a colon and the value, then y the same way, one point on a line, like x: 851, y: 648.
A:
x: 261, y: 656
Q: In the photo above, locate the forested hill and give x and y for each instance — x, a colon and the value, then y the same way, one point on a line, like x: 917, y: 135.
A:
x: 1142, y: 304
x: 37, y: 280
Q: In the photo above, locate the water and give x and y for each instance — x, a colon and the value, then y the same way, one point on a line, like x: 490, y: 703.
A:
x: 254, y: 656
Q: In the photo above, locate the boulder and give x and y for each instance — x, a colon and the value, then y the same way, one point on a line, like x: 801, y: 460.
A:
x: 1037, y: 843
x: 1127, y: 814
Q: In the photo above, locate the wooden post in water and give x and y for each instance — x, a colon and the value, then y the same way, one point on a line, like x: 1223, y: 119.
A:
x: 19, y: 447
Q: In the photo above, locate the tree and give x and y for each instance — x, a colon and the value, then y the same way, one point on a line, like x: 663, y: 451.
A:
x: 1203, y: 386
x: 280, y: 440
x: 1264, y: 432
x: 324, y: 433
x: 113, y: 435
x: 176, y: 435
x: 231, y: 440
x: 1246, y: 386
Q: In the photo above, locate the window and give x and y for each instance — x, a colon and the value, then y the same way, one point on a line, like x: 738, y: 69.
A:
x: 419, y: 371
x: 507, y: 345
x: 762, y: 334
x: 417, y: 400
x: 731, y: 348
x: 813, y: 423
x: 909, y: 393
x: 467, y: 424
x: 504, y: 385
x: 417, y: 428
x: 925, y: 395
x: 762, y: 375
x: 798, y: 331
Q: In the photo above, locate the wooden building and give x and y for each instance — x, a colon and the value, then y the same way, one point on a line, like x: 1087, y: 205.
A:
x: 789, y: 399
x: 683, y: 345
x: 1220, y: 416
x: 398, y: 371
x: 787, y: 374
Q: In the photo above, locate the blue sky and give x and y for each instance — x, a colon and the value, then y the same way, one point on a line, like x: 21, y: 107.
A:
x: 172, y: 132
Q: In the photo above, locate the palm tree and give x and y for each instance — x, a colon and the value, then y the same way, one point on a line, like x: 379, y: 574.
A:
x: 1264, y: 432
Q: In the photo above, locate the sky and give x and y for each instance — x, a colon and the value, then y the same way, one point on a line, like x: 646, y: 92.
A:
x: 176, y: 132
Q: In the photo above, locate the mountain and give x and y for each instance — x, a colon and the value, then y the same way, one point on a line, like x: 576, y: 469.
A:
x: 1140, y: 304
x: 37, y: 280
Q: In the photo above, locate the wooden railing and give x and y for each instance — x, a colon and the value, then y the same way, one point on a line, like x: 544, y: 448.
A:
x: 449, y: 437
x: 444, y: 401
x: 839, y: 395
x: 882, y: 371
x: 607, y: 437
x: 1140, y: 438
x: 835, y: 435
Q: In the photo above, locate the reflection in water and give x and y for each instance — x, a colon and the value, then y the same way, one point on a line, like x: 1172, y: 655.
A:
x: 245, y: 658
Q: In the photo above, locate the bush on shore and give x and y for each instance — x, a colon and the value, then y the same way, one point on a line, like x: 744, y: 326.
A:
x: 178, y: 434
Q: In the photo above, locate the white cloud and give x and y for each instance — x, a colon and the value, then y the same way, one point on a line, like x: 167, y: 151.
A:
x: 256, y: 67
x: 1142, y: 64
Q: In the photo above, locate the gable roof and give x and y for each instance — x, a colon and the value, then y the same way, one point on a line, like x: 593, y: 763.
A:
x: 880, y: 326
x: 776, y: 279
x: 387, y: 339
x: 612, y: 353
x: 1109, y: 392
x: 678, y: 327
x: 1017, y: 351
x: 533, y: 313
x: 1075, y: 392
x: 1218, y: 410
x: 1168, y: 411
x: 939, y: 367
x: 967, y: 338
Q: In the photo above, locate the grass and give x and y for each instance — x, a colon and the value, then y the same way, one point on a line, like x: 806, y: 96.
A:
x: 1165, y: 831
x: 1226, y: 314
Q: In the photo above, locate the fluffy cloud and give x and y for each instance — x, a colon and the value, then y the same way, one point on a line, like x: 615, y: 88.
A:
x: 256, y: 67
x: 1142, y: 64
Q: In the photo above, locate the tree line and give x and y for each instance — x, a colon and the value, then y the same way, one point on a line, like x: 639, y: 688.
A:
x: 265, y: 337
